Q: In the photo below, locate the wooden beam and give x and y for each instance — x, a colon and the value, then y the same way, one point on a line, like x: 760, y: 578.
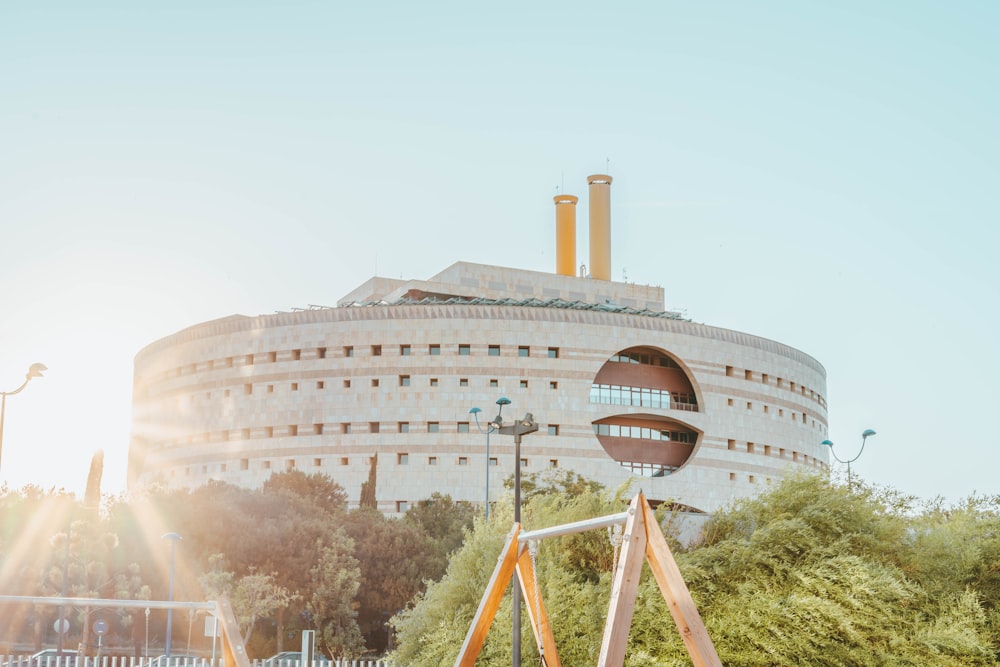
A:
x: 544, y: 640
x: 234, y: 654
x: 676, y: 593
x: 488, y: 606
x: 624, y: 588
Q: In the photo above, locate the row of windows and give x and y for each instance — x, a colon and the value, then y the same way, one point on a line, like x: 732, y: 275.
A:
x: 643, y: 433
x: 402, y: 458
x: 645, y: 359
x: 780, y: 383
x: 613, y: 394
x: 796, y: 416
x: 434, y: 349
x: 780, y: 452
x: 345, y: 428
x: 647, y: 469
x: 403, y: 381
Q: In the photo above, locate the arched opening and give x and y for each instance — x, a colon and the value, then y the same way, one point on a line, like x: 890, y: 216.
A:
x: 646, y: 445
x: 644, y: 377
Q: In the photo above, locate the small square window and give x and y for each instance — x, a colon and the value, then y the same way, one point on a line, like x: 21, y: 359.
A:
x: 763, y: 378
x: 524, y: 351
x: 349, y: 351
x: 403, y: 459
x: 295, y: 386
x: 553, y: 385
x: 376, y: 350
x: 732, y: 444
x: 374, y: 382
x: 524, y: 463
x: 553, y: 463
x: 753, y: 479
x: 730, y: 402
x: 245, y: 434
x: 223, y: 467
x: 269, y: 431
x: 748, y: 375
x: 402, y: 505
x: 732, y: 477
x: 432, y: 460
x: 494, y: 382
x: 226, y: 394
x: 433, y: 427
x: 404, y: 380
x: 434, y: 382
x: 749, y: 405
x: 347, y: 384
x: 750, y: 448
x: 463, y: 382
x: 404, y: 427
x: 464, y: 350
x: 494, y: 461
x: 553, y: 353
x: 553, y: 429
x: 729, y: 371
x: 290, y: 464
x: 272, y: 357
x: 345, y: 428
x: 321, y: 353
x: 244, y: 464
x: 296, y: 355
x: 463, y: 427
x: 767, y: 450
x: 270, y: 388
x: 344, y: 460
x: 404, y: 350
x: 317, y: 429
x: 494, y: 350
x: 293, y: 430
x: 320, y: 384
x: 373, y: 427
x: 266, y: 465
x: 463, y: 460
x: 434, y: 350
x: 248, y: 360
x: 523, y: 384
x: 317, y: 463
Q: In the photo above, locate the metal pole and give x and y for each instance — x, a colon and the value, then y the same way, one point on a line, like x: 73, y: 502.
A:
x: 62, y: 609
x: 170, y: 595
x: 516, y: 611
x: 487, y: 471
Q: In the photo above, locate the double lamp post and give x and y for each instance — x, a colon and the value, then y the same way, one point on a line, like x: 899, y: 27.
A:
x: 518, y: 429
x: 35, y: 371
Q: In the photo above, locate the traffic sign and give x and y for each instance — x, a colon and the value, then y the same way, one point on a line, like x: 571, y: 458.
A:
x: 61, y: 625
x: 100, y: 627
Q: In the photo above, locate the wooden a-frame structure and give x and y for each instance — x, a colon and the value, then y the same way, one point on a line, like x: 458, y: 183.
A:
x: 643, y: 540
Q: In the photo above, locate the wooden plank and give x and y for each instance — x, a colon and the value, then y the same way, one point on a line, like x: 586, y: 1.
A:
x: 624, y: 588
x: 488, y: 606
x: 234, y: 654
x: 676, y: 593
x: 545, y: 642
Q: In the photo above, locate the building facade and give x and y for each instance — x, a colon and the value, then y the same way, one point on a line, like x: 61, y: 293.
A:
x: 621, y: 390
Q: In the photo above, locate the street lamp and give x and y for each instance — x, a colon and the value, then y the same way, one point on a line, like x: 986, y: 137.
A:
x: 34, y: 372
x: 173, y: 537
x: 522, y: 427
x: 489, y: 429
x: 867, y: 433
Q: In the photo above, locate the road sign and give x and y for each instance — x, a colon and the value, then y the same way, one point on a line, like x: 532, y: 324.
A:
x: 100, y: 627
x: 61, y: 625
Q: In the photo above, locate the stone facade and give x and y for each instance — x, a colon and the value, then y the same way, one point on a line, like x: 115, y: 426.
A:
x: 396, y: 367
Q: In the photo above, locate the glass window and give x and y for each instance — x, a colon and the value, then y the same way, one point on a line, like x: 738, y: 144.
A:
x: 433, y: 427
x: 402, y: 459
x: 464, y: 350
x: 553, y: 352
x: 434, y: 350
x: 463, y: 427
x: 404, y: 350
x: 404, y: 380
x: 524, y: 351
x: 404, y: 427
x: 494, y: 350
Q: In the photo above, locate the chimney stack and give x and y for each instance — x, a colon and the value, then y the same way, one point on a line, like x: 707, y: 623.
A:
x: 600, y: 226
x: 565, y: 234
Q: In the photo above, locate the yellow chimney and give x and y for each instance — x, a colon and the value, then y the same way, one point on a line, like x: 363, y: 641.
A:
x: 600, y: 226
x: 565, y: 234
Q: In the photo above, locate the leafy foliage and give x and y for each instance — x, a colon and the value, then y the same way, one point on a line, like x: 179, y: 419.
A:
x: 811, y: 573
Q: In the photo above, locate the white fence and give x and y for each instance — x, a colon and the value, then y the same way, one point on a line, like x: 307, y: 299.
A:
x: 71, y: 660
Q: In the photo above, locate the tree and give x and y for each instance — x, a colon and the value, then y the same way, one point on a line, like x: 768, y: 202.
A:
x: 368, y: 499
x: 318, y: 489
x: 335, y: 581
x: 445, y: 522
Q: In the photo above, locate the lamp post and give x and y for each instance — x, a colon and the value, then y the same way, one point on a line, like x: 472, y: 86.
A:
x: 522, y: 427
x: 489, y: 429
x: 35, y: 371
x: 867, y: 433
x: 173, y: 537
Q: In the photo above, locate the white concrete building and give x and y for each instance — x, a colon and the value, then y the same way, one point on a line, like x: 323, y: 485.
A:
x: 621, y: 389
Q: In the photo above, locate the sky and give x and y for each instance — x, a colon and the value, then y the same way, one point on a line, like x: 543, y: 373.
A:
x: 823, y: 174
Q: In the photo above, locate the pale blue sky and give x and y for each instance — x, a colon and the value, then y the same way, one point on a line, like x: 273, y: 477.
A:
x: 823, y: 174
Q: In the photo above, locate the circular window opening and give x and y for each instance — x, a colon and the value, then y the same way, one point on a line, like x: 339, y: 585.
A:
x: 646, y: 445
x: 644, y: 377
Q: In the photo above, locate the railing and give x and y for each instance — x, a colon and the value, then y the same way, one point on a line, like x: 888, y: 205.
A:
x: 644, y: 397
x: 172, y: 661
